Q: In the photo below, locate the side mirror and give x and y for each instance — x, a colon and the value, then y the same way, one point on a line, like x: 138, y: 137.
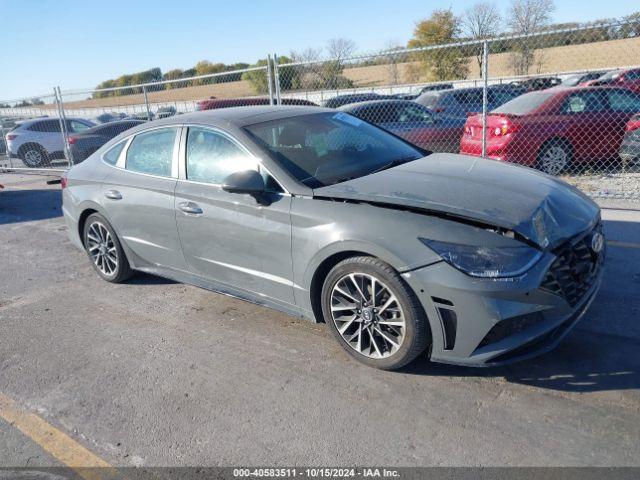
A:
x: 248, y: 182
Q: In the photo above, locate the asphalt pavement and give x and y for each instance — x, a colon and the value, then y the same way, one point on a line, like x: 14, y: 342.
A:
x: 158, y: 373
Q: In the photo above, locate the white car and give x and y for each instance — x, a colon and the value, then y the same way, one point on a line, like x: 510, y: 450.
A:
x: 38, y: 141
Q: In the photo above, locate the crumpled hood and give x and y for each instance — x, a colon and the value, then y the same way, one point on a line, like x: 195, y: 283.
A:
x: 537, y: 206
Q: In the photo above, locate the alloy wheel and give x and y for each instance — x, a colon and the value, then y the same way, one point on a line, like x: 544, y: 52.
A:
x: 33, y: 158
x: 554, y: 160
x: 102, y: 249
x: 367, y: 315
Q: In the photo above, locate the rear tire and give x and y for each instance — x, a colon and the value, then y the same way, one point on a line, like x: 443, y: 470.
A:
x: 104, y: 250
x: 555, y: 157
x: 34, y: 156
x: 374, y: 314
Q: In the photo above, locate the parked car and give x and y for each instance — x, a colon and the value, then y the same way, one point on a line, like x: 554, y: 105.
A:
x: 214, y: 103
x: 427, y: 88
x: 405, y: 96
x: 580, y: 78
x: 411, y: 121
x: 627, y: 78
x: 435, y: 87
x: 88, y: 141
x: 459, y: 102
x: 538, y: 83
x: 553, y: 129
x: 36, y: 142
x: 630, y: 146
x: 164, y: 112
x: 340, y: 100
x: 140, y: 116
x: 110, y: 117
x: 322, y: 215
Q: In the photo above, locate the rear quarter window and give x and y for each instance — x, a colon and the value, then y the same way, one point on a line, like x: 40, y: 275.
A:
x: 112, y: 155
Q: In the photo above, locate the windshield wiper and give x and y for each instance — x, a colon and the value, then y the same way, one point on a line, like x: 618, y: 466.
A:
x: 394, y: 163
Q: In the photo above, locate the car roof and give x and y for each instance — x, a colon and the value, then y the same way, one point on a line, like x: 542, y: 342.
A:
x: 372, y: 103
x: 31, y: 121
x: 100, y: 126
x: 237, y: 116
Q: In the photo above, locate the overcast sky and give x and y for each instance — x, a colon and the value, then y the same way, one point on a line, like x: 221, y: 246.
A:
x: 77, y: 44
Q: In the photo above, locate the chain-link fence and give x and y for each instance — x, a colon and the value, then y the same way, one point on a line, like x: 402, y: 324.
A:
x: 563, y: 101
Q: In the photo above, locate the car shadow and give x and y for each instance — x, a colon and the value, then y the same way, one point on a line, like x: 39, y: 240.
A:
x: 18, y: 206
x: 148, y: 279
x: 584, y: 362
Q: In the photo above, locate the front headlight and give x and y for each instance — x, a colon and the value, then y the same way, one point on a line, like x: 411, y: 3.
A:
x: 480, y: 261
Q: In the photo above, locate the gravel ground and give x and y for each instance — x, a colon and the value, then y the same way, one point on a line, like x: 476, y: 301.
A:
x: 609, y: 185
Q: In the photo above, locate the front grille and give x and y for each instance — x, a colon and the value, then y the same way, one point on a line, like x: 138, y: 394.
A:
x: 575, y: 268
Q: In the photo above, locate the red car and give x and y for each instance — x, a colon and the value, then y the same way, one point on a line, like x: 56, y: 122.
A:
x: 551, y: 129
x: 214, y: 103
x: 629, y: 78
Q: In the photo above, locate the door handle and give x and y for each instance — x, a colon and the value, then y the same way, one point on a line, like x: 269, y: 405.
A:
x: 190, y: 207
x: 113, y: 195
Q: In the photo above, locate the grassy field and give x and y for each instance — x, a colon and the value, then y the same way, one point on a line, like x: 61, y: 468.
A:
x: 609, y: 54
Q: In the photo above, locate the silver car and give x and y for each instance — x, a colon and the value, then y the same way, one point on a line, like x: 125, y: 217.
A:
x: 322, y: 215
x: 39, y: 141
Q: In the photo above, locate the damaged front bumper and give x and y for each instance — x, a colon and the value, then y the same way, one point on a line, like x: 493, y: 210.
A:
x: 488, y: 322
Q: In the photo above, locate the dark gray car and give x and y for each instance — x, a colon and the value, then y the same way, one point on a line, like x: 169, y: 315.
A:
x: 319, y: 214
x: 88, y: 141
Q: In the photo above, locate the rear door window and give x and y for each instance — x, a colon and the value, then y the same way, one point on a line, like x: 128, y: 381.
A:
x: 152, y: 152
x: 47, y: 126
x: 623, y: 101
x: 585, y: 102
x: 76, y: 126
x: 468, y: 97
x: 413, y: 114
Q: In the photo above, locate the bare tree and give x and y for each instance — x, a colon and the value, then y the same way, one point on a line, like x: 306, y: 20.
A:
x: 529, y: 16
x: 340, y: 48
x: 481, y: 20
x: 308, y: 55
x: 393, y: 55
x: 526, y: 17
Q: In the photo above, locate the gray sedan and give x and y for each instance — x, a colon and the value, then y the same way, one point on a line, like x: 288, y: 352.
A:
x: 322, y: 215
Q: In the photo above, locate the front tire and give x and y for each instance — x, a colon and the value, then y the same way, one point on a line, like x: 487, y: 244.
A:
x: 374, y: 314
x: 104, y: 250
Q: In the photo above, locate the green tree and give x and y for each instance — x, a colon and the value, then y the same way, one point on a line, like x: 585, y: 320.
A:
x: 175, y: 74
x: 442, y: 63
x: 258, y: 78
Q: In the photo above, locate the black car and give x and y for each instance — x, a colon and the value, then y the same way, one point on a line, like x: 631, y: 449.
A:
x: 348, y: 98
x: 436, y: 87
x: 88, y: 141
x: 630, y: 147
x: 578, y: 78
x: 539, y: 83
x: 110, y: 117
x: 164, y: 112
